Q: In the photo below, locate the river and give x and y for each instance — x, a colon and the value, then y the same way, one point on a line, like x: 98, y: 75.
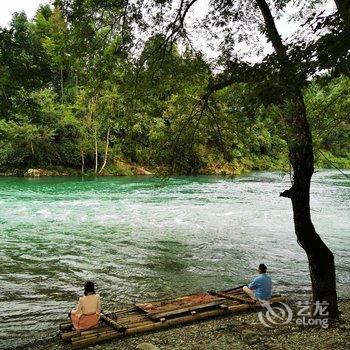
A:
x: 142, y: 238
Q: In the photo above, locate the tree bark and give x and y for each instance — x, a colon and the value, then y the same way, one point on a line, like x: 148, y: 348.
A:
x: 82, y: 163
x: 106, y: 152
x: 321, y: 260
x: 93, y: 121
x: 96, y: 151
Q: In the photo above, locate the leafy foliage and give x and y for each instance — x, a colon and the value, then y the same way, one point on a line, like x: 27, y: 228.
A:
x: 75, y: 89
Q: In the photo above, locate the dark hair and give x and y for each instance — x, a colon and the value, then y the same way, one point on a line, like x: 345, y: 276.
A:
x: 262, y: 268
x: 89, y: 288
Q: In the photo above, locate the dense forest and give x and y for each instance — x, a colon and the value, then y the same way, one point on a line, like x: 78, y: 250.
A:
x: 92, y: 107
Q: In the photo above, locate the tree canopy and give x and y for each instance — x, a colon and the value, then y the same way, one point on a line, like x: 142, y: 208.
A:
x: 81, y: 75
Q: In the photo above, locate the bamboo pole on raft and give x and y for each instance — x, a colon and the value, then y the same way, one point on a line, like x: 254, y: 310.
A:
x: 82, y: 342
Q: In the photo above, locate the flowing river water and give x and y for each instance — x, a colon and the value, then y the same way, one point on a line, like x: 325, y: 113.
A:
x: 143, y: 238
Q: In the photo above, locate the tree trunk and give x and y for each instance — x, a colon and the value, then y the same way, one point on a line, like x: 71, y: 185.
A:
x: 93, y: 121
x: 82, y: 163
x: 321, y: 260
x: 96, y: 152
x: 106, y: 153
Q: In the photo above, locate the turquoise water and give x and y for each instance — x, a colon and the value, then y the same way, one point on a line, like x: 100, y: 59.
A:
x: 141, y: 238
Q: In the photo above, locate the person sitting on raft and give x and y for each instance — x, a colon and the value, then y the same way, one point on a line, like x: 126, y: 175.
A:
x: 87, y: 313
x: 260, y: 287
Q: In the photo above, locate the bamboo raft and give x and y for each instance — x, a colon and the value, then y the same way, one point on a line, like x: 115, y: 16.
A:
x: 153, y: 316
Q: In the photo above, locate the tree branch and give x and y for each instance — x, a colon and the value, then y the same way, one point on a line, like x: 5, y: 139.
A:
x: 272, y: 32
x: 343, y: 7
x: 286, y: 193
x: 172, y: 36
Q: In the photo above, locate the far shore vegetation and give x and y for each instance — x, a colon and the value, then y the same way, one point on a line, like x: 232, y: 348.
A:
x: 69, y: 110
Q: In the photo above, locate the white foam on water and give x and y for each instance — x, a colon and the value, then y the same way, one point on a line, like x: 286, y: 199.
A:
x: 46, y: 213
x: 126, y: 234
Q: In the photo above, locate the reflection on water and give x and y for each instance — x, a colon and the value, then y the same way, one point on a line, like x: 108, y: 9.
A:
x: 144, y: 238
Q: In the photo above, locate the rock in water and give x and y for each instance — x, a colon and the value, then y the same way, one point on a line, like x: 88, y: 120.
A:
x: 44, y: 172
x: 146, y: 346
x: 33, y: 173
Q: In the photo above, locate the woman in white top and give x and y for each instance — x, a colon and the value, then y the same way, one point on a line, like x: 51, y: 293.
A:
x: 87, y: 313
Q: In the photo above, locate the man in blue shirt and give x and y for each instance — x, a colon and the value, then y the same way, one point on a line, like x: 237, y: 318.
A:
x: 261, y: 286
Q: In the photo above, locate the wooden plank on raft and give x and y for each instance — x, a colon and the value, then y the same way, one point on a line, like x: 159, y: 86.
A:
x: 185, y: 310
x: 67, y: 326
x: 159, y: 315
x: 118, y: 327
x: 232, y: 297
x: 70, y: 333
x: 91, y: 332
x: 132, y: 319
x: 86, y: 341
x: 235, y: 290
x: 179, y: 303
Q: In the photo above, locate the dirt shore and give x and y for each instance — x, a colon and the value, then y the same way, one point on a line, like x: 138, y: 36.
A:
x: 245, y: 331
x: 240, y: 331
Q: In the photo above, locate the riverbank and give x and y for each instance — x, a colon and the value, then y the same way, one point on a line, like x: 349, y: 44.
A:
x: 241, y: 331
x: 121, y: 167
x: 244, y: 331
